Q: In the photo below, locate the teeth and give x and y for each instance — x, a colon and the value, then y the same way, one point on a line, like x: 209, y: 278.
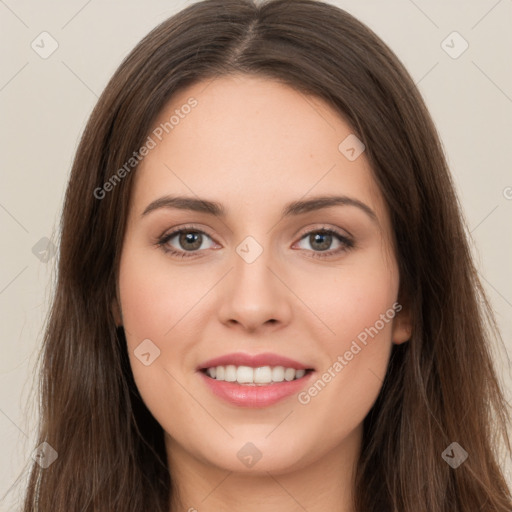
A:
x: 278, y: 373
x: 244, y: 375
x: 262, y: 375
x: 289, y: 374
x: 254, y: 376
x: 230, y: 375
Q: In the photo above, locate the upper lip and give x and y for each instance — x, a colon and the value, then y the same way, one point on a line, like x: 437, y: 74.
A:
x: 254, y: 361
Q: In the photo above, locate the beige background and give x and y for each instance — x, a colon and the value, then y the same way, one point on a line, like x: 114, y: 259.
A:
x: 45, y: 104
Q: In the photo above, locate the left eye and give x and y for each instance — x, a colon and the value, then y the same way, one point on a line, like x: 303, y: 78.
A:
x: 322, y: 240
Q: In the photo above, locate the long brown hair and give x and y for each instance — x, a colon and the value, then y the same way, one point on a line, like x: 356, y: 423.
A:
x: 441, y: 386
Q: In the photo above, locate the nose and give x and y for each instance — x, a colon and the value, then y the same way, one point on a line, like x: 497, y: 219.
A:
x: 253, y: 295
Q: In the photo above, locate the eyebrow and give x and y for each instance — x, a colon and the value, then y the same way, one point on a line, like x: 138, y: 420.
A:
x: 291, y: 209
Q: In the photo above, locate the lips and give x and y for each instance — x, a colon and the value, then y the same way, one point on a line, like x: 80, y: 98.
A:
x: 247, y: 394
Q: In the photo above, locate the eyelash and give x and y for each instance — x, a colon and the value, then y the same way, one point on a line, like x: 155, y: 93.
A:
x: 346, y: 242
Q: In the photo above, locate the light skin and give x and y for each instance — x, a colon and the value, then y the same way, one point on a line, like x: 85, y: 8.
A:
x: 254, y: 145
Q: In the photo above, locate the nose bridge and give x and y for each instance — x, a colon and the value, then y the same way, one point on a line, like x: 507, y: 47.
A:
x: 252, y: 279
x: 253, y: 295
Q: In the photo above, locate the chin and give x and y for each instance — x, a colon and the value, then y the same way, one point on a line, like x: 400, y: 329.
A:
x: 257, y: 455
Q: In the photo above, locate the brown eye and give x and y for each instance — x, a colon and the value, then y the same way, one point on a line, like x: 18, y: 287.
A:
x: 322, y: 240
x: 183, y: 241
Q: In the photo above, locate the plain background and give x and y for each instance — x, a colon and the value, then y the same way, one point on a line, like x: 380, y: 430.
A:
x: 45, y: 104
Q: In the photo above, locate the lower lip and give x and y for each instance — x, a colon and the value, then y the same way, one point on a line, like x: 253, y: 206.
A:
x: 255, y: 396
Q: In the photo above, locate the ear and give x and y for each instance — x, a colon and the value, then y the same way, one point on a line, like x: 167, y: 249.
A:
x: 116, y: 312
x: 402, y: 325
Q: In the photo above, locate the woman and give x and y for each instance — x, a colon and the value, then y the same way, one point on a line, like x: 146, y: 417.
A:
x: 203, y: 352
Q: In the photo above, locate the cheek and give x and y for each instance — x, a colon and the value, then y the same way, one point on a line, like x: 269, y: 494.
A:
x: 352, y: 297
x: 162, y: 302
x: 357, y: 307
x: 157, y: 304
x: 155, y: 297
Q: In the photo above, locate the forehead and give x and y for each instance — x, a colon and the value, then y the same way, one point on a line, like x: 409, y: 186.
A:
x: 249, y: 142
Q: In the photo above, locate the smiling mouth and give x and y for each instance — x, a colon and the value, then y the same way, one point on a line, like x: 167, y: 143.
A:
x: 260, y: 376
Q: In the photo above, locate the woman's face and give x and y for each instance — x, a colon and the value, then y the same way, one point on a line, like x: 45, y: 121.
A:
x: 271, y: 271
